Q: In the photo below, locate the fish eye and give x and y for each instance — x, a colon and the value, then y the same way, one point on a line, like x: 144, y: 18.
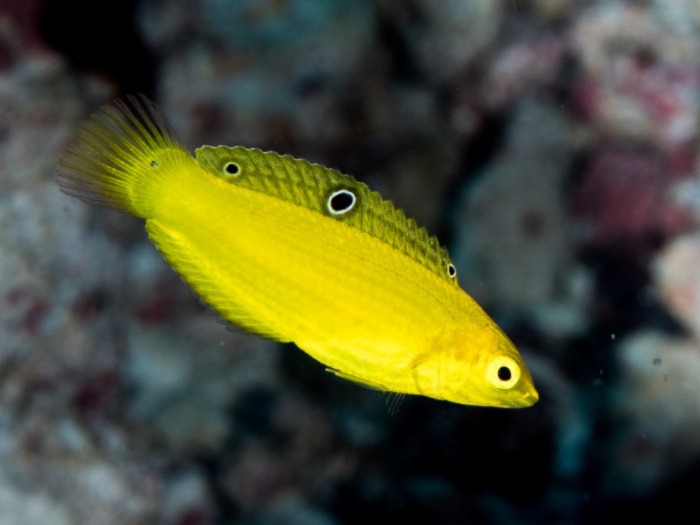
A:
x: 340, y: 202
x: 232, y: 168
x: 503, y: 372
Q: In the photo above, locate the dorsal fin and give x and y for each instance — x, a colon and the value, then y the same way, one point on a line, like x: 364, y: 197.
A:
x: 329, y: 192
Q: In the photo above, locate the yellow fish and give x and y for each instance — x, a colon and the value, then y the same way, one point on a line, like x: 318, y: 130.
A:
x: 298, y: 252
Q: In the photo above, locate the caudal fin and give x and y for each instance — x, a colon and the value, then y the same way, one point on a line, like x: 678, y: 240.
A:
x: 118, y: 154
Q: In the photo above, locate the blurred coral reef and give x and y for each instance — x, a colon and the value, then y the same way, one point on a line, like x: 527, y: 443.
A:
x: 551, y: 144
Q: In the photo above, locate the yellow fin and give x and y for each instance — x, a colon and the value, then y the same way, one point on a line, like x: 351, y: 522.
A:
x: 393, y: 401
x: 355, y: 379
x: 119, y: 151
x: 209, y: 286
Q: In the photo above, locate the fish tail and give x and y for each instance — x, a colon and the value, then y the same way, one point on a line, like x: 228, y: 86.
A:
x: 119, y: 154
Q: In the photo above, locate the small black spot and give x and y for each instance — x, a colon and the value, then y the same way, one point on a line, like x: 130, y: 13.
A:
x: 504, y: 373
x: 451, y: 270
x: 232, y: 168
x: 154, y: 164
x: 341, y: 201
x: 657, y: 361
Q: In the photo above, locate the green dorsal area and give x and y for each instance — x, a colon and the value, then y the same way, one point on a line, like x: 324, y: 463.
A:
x: 331, y: 193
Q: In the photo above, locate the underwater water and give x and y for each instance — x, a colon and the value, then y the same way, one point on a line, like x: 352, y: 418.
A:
x: 550, y: 145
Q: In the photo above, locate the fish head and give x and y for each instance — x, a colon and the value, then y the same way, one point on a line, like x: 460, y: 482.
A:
x: 484, y: 368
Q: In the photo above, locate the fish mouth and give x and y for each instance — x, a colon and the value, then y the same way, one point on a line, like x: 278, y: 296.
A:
x: 530, y: 398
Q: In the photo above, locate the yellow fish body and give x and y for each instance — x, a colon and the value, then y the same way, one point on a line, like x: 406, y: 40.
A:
x: 299, y: 252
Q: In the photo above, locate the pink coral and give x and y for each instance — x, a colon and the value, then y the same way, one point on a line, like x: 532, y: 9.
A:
x: 642, y: 99
x: 640, y: 74
x: 624, y: 194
